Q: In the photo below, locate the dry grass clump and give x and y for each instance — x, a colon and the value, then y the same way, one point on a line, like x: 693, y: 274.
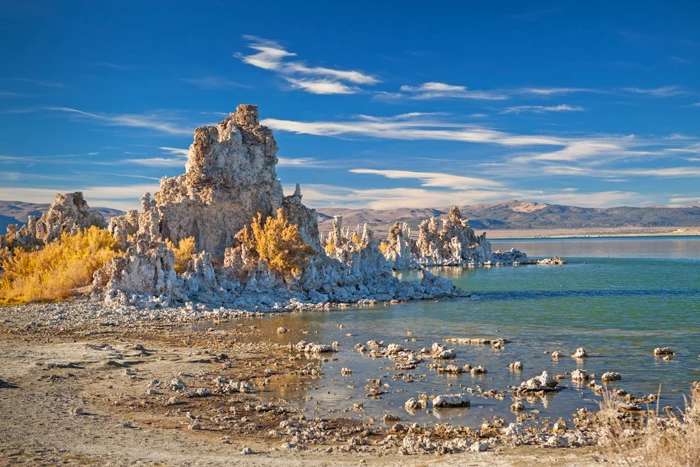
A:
x: 53, y: 272
x: 651, y: 439
x: 183, y: 253
x: 278, y: 242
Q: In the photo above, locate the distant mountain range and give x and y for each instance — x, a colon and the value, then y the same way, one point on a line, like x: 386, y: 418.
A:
x: 502, y: 215
x: 522, y: 215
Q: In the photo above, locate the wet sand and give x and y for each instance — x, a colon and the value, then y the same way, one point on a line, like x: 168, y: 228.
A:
x: 96, y: 392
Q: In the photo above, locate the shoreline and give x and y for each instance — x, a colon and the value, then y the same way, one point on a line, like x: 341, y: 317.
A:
x: 223, y: 390
x: 520, y: 234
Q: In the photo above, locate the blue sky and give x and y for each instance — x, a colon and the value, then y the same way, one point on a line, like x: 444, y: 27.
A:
x: 405, y: 105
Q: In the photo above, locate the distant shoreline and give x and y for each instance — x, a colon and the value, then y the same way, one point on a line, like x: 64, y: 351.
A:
x: 525, y: 234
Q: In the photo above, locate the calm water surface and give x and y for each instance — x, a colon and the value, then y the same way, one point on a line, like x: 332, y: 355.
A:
x: 618, y: 298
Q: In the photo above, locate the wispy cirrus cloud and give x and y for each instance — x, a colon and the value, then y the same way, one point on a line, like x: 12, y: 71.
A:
x: 542, y: 108
x: 155, y: 121
x: 214, y: 82
x: 178, y: 161
x: 320, y: 195
x: 410, y: 128
x: 665, y: 91
x: 296, y: 162
x: 555, y: 91
x: 436, y: 90
x: 321, y: 86
x: 433, y: 179
x: 157, y: 162
x: 38, y: 82
x: 271, y: 56
x: 175, y: 151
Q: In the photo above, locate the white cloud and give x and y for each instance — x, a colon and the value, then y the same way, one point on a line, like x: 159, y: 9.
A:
x: 684, y: 200
x: 555, y: 91
x: 411, y: 129
x: 148, y: 121
x: 602, y: 199
x: 665, y: 91
x: 272, y: 56
x: 319, y: 195
x: 299, y: 162
x: 350, y: 76
x: 214, y: 82
x: 667, y: 172
x: 175, y: 151
x: 435, y: 90
x: 433, y: 179
x: 157, y: 162
x: 38, y: 82
x: 321, y: 86
x: 542, y: 108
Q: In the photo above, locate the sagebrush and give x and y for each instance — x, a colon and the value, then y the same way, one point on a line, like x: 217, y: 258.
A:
x: 278, y: 242
x: 183, y: 253
x: 53, y: 272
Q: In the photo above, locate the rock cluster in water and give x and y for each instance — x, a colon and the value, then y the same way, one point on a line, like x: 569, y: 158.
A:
x: 447, y: 242
x: 230, y: 177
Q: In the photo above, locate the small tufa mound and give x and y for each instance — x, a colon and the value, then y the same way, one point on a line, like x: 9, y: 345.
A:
x: 610, y: 376
x: 451, y: 400
x: 580, y: 353
x: 542, y: 383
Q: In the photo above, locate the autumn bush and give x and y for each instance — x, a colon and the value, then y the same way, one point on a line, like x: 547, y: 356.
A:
x: 183, y: 253
x: 53, y: 272
x: 278, y: 242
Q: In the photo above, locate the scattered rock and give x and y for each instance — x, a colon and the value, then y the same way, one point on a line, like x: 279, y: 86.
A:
x: 451, y: 400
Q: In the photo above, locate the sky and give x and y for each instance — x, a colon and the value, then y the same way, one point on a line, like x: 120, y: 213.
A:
x: 373, y: 104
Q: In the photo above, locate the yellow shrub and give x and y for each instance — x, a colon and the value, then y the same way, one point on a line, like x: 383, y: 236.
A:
x: 53, y: 272
x: 278, y: 242
x: 330, y: 247
x: 356, y: 240
x: 183, y: 253
x: 383, y: 245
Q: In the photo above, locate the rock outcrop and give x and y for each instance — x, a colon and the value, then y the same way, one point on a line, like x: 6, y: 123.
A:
x: 400, y: 247
x: 450, y: 242
x: 67, y: 214
x: 230, y: 178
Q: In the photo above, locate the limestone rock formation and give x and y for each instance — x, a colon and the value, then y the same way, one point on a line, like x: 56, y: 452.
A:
x: 399, y: 250
x: 67, y: 214
x: 229, y: 178
x: 453, y: 243
x: 448, y: 243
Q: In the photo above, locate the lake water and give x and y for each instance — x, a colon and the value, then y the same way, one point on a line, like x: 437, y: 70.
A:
x: 618, y: 298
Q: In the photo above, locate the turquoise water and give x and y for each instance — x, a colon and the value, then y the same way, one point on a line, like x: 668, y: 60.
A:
x: 617, y: 298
